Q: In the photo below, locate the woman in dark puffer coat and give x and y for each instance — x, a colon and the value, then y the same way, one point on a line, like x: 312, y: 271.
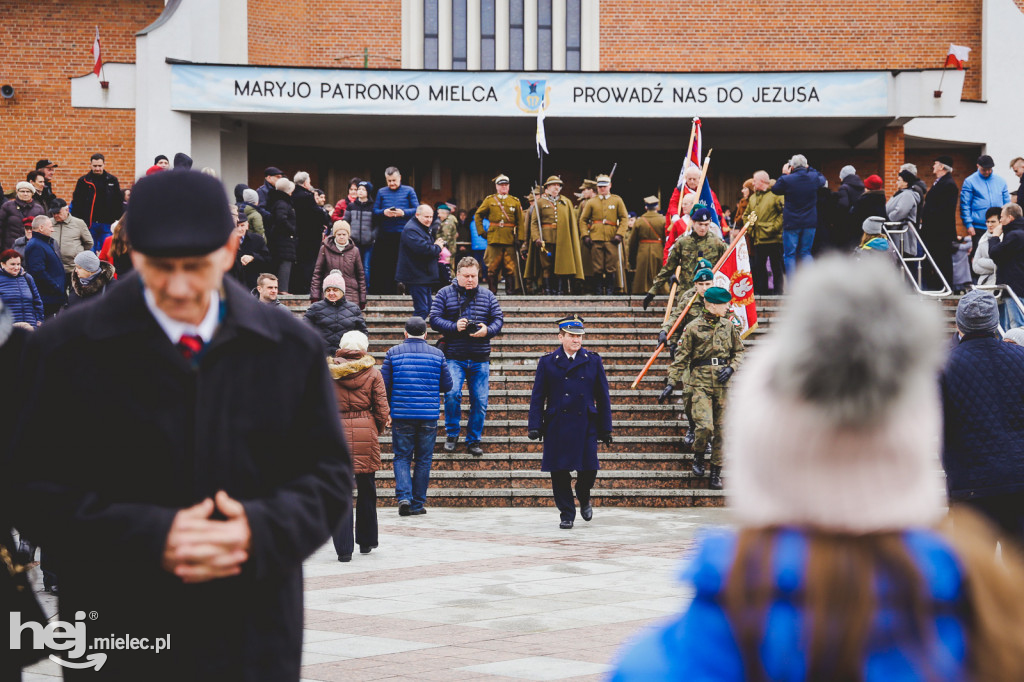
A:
x: 363, y: 407
x: 334, y: 316
x: 18, y: 290
x: 16, y: 214
x: 340, y: 253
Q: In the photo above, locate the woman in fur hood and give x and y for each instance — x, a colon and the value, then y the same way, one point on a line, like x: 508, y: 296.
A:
x: 363, y: 408
x: 91, y: 277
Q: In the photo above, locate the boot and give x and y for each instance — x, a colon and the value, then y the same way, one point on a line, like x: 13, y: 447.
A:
x: 665, y: 393
x: 548, y: 288
x: 688, y: 440
x: 716, y: 477
x: 492, y: 283
x: 698, y: 465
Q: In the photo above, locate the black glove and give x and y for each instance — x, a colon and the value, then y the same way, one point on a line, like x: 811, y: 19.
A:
x: 672, y: 349
x: 663, y: 337
x: 724, y: 374
x: 605, y: 438
x: 617, y: 239
x: 647, y: 300
x: 672, y: 279
x: 534, y: 435
x: 588, y: 242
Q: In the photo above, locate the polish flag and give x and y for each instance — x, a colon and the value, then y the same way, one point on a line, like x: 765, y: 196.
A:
x: 97, y: 60
x: 957, y: 56
x: 734, y: 276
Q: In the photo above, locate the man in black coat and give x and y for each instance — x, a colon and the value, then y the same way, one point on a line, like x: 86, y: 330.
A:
x: 1006, y: 249
x: 418, y: 251
x: 938, y: 221
x: 221, y: 468
x: 310, y: 223
x: 253, y: 257
x: 983, y: 400
x: 570, y: 410
x: 97, y: 200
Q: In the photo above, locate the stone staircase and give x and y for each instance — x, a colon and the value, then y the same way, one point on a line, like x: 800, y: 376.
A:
x: 645, y: 466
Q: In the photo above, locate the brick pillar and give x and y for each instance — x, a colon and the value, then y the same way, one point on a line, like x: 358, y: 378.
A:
x: 892, y: 157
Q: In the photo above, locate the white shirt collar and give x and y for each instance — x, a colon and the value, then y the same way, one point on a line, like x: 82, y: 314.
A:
x: 175, y: 329
x: 571, y: 357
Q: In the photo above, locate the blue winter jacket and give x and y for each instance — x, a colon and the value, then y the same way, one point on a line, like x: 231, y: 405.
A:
x: 404, y: 198
x: 44, y: 264
x: 800, y: 188
x: 415, y: 375
x: 983, y: 406
x: 476, y: 305
x: 699, y: 645
x: 417, y: 254
x: 21, y: 297
x: 980, y: 194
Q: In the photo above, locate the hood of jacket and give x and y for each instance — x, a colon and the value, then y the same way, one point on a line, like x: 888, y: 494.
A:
x: 341, y: 368
x: 853, y: 181
x: 239, y: 188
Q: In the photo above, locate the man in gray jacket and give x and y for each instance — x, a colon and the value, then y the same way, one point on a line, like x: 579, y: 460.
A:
x: 71, y: 236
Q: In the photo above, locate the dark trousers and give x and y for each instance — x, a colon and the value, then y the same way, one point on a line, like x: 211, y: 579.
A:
x: 561, y: 487
x: 365, y: 514
x: 383, y: 262
x: 51, y: 309
x: 767, y: 253
x: 421, y: 295
x: 1005, y: 511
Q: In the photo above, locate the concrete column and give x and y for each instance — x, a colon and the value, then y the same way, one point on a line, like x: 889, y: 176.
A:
x: 558, y: 35
x: 472, y: 36
x: 412, y: 34
x: 529, y: 35
x: 893, y: 156
x: 590, y: 35
x: 444, y: 35
x: 501, y: 21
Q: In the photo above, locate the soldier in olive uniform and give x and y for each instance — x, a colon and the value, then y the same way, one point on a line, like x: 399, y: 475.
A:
x: 712, y: 347
x: 645, y: 246
x: 449, y: 232
x: 506, y: 231
x: 531, y: 285
x: 587, y: 191
x: 554, y: 240
x: 603, y: 227
x: 700, y: 242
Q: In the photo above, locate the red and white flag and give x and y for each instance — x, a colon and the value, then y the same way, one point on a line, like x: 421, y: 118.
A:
x: 734, y: 276
x: 97, y: 60
x: 957, y: 56
x: 693, y: 157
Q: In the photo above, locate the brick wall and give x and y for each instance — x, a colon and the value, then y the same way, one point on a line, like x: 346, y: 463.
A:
x: 47, y: 42
x: 317, y: 32
x: 754, y: 35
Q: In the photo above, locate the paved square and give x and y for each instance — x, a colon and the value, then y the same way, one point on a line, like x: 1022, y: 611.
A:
x: 490, y: 594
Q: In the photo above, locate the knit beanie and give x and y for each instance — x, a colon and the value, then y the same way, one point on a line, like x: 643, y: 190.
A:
x: 354, y: 340
x: 977, y: 311
x: 1015, y: 335
x: 334, y: 280
x: 872, y: 225
x: 834, y: 421
x: 250, y: 196
x: 24, y: 185
x: 88, y: 261
x: 845, y: 171
x: 873, y: 182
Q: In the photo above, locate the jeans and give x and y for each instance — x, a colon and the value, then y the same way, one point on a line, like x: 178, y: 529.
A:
x: 365, y: 518
x: 1009, y: 317
x: 477, y: 376
x: 413, y: 439
x: 796, y: 244
x: 367, y: 254
x: 99, y: 232
x: 420, y: 299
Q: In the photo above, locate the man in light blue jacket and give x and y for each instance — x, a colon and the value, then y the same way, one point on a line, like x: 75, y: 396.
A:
x: 981, y: 191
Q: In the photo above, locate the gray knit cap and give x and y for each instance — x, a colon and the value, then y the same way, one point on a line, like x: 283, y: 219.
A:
x: 977, y: 311
x: 250, y: 196
x: 845, y: 171
x: 1016, y: 335
x: 87, y: 260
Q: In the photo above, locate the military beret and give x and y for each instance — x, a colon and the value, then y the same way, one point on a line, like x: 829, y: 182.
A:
x: 703, y: 275
x: 704, y: 263
x: 717, y: 295
x: 603, y: 180
x: 502, y: 179
x: 178, y: 214
x: 573, y: 324
x: 700, y: 214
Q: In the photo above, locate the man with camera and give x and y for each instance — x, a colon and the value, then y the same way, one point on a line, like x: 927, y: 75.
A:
x: 468, y: 317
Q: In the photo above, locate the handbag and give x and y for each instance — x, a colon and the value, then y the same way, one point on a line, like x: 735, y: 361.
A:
x: 21, y: 598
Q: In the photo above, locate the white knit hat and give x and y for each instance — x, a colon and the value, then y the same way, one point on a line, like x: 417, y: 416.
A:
x: 336, y: 280
x: 354, y: 340
x: 835, y: 421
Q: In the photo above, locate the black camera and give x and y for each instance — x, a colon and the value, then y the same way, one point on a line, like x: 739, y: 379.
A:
x: 473, y: 327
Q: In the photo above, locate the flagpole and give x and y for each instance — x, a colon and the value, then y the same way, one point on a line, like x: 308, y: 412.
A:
x: 700, y: 186
x: 689, y: 145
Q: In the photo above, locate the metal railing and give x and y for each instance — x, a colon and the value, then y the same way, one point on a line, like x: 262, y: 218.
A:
x: 898, y: 234
x: 998, y: 290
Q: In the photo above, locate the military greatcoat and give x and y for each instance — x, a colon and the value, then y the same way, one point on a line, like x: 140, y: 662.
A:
x: 570, y: 406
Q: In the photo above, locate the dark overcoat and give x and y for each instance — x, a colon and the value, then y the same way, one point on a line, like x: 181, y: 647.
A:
x: 255, y: 417
x: 570, y: 406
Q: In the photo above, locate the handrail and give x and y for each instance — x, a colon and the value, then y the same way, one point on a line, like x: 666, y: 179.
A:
x: 907, y: 229
x: 998, y: 290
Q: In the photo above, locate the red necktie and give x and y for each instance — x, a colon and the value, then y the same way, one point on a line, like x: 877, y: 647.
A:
x: 189, y: 345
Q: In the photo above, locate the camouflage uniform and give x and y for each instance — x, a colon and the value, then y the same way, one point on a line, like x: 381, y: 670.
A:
x: 449, y: 232
x: 685, y: 253
x: 709, y: 339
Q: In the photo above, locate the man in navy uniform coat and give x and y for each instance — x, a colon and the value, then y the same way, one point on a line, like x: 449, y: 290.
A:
x: 570, y: 410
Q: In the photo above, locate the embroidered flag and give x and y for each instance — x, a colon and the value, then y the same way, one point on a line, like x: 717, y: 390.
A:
x: 734, y: 276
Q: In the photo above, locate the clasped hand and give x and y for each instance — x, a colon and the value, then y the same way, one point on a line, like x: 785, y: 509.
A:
x: 200, y: 549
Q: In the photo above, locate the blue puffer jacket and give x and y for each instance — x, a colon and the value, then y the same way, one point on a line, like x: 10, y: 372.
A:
x: 980, y: 194
x: 983, y: 405
x: 476, y: 305
x: 699, y: 645
x: 800, y: 188
x: 21, y: 297
x: 42, y: 262
x: 415, y: 374
x: 404, y: 198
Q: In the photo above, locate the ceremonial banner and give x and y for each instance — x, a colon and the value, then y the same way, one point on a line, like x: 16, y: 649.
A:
x: 734, y: 276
